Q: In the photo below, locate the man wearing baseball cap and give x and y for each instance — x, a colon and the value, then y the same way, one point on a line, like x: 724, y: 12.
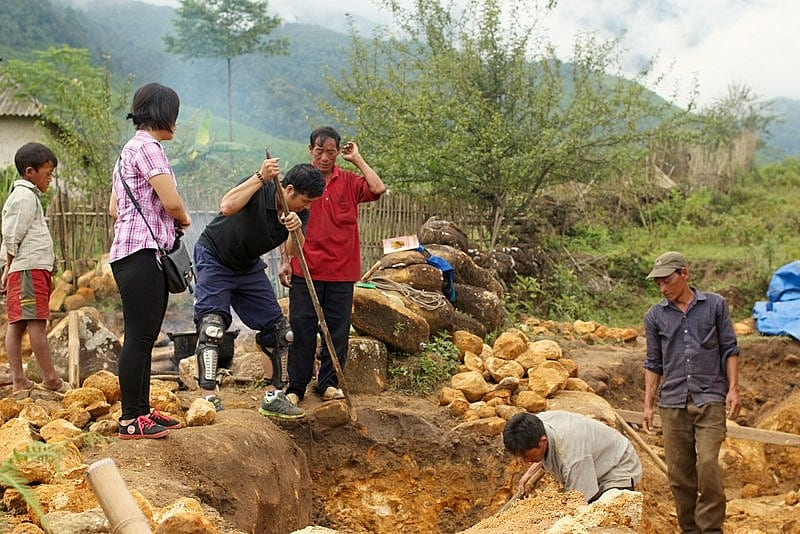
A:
x: 693, y: 356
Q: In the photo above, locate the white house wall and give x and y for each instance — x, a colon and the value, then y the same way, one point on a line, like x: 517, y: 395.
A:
x: 15, y: 132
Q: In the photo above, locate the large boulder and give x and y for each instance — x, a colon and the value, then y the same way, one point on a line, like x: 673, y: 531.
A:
x: 467, y: 271
x: 482, y: 304
x: 388, y: 320
x: 466, y: 322
x: 435, y: 308
x: 438, y: 231
x: 366, y: 367
x: 418, y: 276
x: 99, y: 346
x: 467, y: 341
x: 401, y: 259
x: 584, y: 403
x: 471, y: 384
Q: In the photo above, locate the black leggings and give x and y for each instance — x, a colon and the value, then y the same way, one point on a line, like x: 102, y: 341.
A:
x: 143, y: 290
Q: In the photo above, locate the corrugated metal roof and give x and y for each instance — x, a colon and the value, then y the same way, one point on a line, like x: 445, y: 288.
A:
x: 16, y: 106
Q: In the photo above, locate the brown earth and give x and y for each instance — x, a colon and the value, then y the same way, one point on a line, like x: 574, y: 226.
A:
x: 402, y: 467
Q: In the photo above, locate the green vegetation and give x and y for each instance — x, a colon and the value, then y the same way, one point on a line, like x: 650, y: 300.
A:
x: 734, y: 241
x: 473, y: 106
x: 565, y: 159
x: 82, y: 113
x: 424, y: 373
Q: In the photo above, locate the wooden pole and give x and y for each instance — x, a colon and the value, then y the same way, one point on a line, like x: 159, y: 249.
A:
x: 531, y: 483
x: 119, y: 506
x: 74, y: 350
x: 371, y: 271
x: 639, y: 441
x: 326, y: 335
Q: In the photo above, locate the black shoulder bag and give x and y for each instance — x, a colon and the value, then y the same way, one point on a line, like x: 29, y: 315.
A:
x: 176, y: 263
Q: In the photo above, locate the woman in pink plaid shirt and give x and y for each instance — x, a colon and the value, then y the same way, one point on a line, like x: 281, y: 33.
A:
x: 134, y: 260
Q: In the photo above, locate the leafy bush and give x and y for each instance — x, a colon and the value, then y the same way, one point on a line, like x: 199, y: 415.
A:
x: 522, y: 299
x: 426, y: 372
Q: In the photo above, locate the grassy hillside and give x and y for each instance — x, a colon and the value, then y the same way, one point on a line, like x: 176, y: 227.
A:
x: 734, y: 242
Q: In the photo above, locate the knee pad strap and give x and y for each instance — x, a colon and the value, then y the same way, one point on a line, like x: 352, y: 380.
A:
x: 274, y: 343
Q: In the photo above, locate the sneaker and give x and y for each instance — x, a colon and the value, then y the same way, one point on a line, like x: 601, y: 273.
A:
x: 142, y: 428
x: 216, y: 401
x: 164, y: 420
x: 279, y: 406
x: 293, y: 398
x: 332, y: 393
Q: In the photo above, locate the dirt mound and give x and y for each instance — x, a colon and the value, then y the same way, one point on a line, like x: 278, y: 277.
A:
x: 243, y: 466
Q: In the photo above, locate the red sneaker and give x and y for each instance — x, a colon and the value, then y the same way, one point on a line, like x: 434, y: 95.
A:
x: 164, y: 420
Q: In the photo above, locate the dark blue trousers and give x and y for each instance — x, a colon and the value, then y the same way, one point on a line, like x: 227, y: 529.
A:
x: 336, y: 300
x: 249, y: 293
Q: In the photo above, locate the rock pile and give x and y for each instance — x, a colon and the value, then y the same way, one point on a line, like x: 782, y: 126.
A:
x: 411, y: 301
x: 512, y: 376
x: 71, y: 293
x: 56, y: 473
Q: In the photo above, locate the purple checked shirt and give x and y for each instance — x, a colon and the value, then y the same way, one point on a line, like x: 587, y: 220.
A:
x: 142, y: 158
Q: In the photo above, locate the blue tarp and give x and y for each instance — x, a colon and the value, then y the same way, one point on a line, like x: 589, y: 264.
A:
x: 780, y: 314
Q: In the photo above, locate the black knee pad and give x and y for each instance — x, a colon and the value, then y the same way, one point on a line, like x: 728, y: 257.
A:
x: 210, y: 333
x: 274, y: 343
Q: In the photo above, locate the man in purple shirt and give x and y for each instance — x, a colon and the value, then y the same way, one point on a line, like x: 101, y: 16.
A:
x: 692, y: 354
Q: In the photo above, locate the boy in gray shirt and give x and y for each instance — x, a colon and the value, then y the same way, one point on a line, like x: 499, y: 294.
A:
x: 30, y: 260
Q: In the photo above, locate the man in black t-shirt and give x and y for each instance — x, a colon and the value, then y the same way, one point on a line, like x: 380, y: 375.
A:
x: 230, y: 273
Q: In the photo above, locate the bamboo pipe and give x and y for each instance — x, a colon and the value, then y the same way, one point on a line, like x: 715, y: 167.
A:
x: 280, y: 197
x: 124, y: 515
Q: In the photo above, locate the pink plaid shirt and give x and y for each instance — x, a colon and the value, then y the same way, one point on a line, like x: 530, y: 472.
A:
x: 142, y: 158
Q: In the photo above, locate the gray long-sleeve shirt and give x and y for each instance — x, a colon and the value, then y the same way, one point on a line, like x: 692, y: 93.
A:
x: 586, y: 455
x: 25, y: 232
x: 690, y: 350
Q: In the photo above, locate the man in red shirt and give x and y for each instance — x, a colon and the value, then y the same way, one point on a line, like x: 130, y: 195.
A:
x: 333, y: 255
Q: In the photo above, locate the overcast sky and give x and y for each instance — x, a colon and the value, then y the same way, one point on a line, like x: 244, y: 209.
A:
x: 718, y: 42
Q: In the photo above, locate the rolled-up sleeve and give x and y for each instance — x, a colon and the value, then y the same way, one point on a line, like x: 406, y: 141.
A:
x: 654, y: 360
x: 727, y: 336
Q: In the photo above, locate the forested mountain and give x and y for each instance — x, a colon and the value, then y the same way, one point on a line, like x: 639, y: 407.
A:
x: 784, y: 134
x: 277, y: 95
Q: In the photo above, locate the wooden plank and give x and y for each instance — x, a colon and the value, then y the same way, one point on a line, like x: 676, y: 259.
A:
x: 74, y: 350
x: 773, y: 437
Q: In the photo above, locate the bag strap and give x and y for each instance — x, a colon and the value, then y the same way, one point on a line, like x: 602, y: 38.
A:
x: 136, y: 204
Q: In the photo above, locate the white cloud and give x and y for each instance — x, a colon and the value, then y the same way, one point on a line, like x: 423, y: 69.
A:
x: 717, y: 41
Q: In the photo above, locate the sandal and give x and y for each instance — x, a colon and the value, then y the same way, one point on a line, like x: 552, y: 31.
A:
x: 62, y: 388
x: 22, y: 393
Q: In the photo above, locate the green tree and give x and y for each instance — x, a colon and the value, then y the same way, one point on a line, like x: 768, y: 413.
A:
x: 82, y: 114
x: 224, y: 29
x: 473, y: 104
